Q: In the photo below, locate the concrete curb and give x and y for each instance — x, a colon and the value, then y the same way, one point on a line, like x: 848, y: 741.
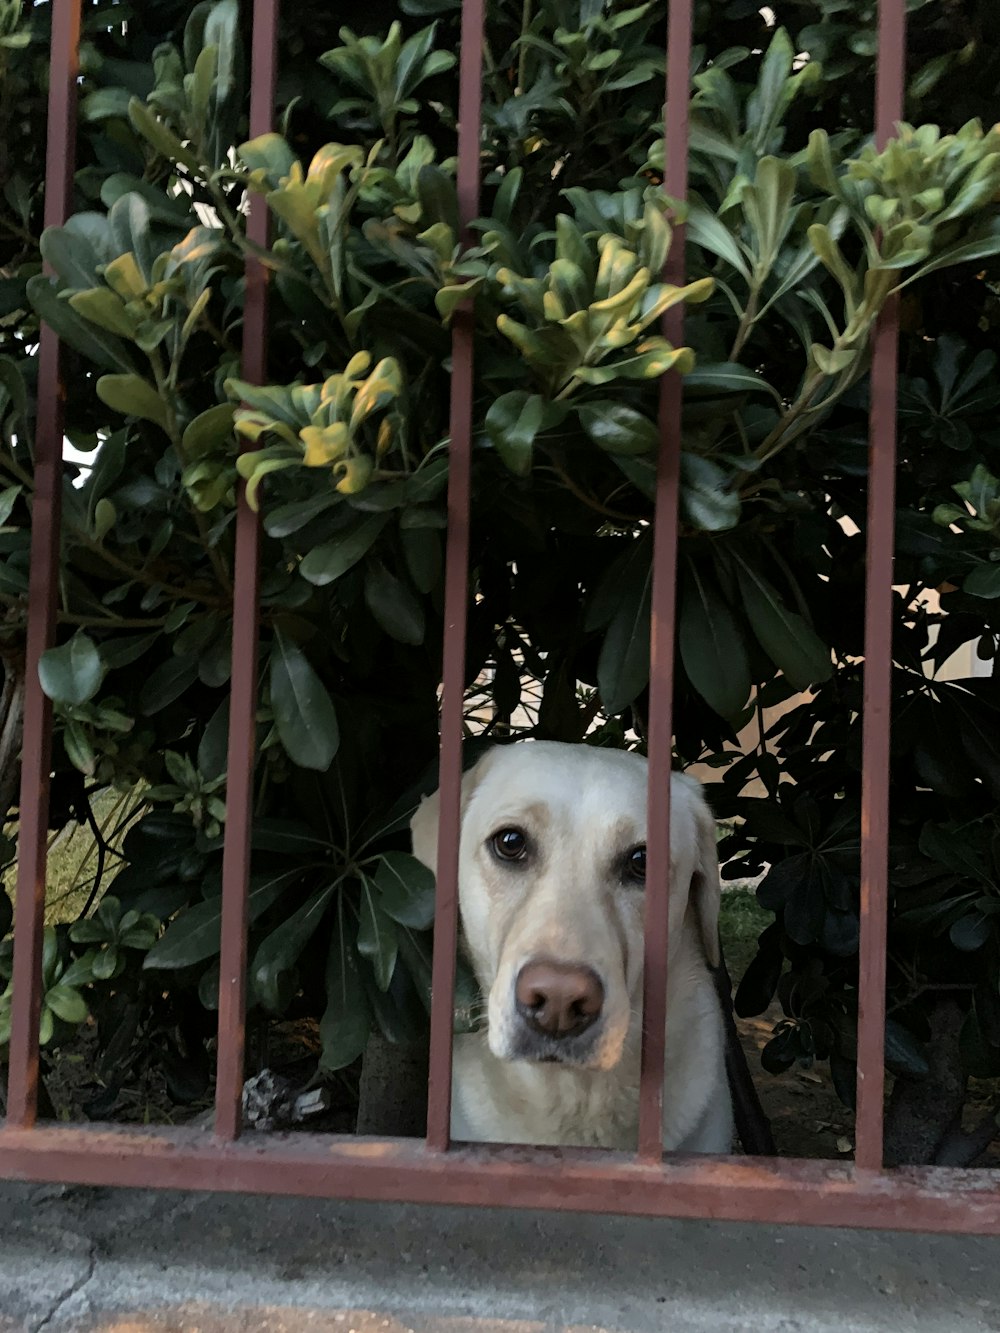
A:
x: 109, y: 1261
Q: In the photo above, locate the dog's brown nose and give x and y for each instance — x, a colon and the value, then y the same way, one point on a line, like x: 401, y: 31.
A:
x: 558, y: 999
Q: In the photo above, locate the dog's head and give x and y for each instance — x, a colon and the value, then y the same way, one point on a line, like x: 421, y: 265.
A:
x: 552, y: 866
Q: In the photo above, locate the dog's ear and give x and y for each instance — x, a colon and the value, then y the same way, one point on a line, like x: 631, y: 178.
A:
x: 424, y: 824
x: 424, y: 830
x: 706, y: 885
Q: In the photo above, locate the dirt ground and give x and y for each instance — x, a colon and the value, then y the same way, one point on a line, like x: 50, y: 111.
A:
x: 807, y: 1117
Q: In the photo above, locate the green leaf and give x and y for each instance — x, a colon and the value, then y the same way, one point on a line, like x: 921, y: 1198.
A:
x: 329, y: 561
x: 269, y: 154
x: 67, y: 1004
x: 831, y: 361
x: 793, y: 645
x: 79, y: 750
x: 88, y: 931
x: 904, y: 1054
x: 708, y: 501
x: 984, y: 580
x: 101, y: 306
x: 346, y: 1020
x: 704, y: 228
x: 80, y: 971
x: 512, y: 422
x: 167, y: 683
x: 210, y: 430
x: 126, y: 649
x: 271, y: 401
x: 273, y: 967
x: 623, y: 664
x: 105, y: 516
x: 654, y: 358
x: 438, y: 199
x: 132, y: 396
x: 422, y: 551
x: 449, y: 298
x: 71, y: 674
x: 98, y: 346
x: 105, y: 964
x: 196, y: 933
x: 971, y: 932
x: 825, y: 244
x: 395, y: 607
x: 73, y: 256
x: 630, y: 563
x: 767, y: 204
x: 285, y: 519
x: 726, y: 377
x: 303, y: 710
x: 415, y: 952
x: 711, y: 646
x: 969, y: 252
x: 378, y: 940
x: 6, y: 913
x: 641, y: 472
x: 162, y: 139
x: 766, y: 102
x: 618, y: 429
x: 405, y: 889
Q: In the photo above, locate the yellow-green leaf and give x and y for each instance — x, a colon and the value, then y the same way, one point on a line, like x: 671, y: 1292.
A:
x: 103, y: 308
x: 132, y: 396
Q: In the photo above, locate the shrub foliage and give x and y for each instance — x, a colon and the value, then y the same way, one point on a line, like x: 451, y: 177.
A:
x: 798, y: 233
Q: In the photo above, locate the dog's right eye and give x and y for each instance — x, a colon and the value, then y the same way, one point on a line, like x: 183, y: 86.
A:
x: 635, y: 864
x: 510, y: 844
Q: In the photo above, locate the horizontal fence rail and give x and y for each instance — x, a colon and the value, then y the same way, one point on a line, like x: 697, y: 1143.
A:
x: 861, y: 1193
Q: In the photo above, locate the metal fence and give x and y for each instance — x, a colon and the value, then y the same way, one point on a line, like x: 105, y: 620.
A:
x: 861, y: 1193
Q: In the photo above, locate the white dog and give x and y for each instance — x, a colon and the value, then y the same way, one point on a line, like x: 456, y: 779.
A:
x: 552, y: 862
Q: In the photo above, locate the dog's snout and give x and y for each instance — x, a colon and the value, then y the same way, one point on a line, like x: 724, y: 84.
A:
x: 558, y: 999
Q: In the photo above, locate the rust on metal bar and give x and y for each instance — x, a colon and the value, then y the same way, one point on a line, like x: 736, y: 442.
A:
x: 46, y: 510
x: 455, y: 600
x: 890, y: 88
x: 748, y: 1189
x: 663, y: 613
x: 246, y: 581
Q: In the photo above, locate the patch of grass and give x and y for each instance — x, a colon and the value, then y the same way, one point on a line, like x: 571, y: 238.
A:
x: 72, y: 858
x: 741, y: 921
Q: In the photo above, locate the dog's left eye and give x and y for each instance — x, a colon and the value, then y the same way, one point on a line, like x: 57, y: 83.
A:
x: 635, y: 864
x: 510, y: 844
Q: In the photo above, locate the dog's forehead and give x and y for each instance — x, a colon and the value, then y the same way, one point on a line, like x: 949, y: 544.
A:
x: 574, y: 784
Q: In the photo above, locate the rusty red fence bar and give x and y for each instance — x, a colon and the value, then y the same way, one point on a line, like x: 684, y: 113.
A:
x: 890, y: 89
x: 754, y: 1189
x: 663, y: 608
x: 246, y: 625
x: 46, y: 511
x: 455, y: 600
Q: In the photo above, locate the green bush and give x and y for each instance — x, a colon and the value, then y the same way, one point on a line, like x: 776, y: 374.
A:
x: 798, y: 231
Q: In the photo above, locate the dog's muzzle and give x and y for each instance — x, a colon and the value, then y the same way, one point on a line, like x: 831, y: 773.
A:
x: 558, y: 1007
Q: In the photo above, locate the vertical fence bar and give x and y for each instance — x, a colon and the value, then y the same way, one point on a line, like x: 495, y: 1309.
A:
x: 663, y: 612
x: 246, y: 579
x: 455, y: 599
x: 46, y: 511
x: 890, y: 88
